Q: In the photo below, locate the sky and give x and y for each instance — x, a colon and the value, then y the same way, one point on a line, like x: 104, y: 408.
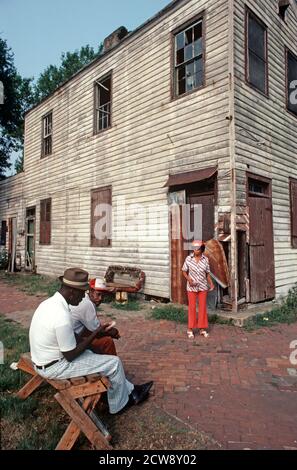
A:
x: 38, y: 31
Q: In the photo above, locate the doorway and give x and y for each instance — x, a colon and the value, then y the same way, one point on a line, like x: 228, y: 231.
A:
x: 261, y: 247
x: 30, y: 239
x: 201, y: 193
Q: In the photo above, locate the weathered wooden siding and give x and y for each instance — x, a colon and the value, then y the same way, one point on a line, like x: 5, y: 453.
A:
x: 266, y: 137
x: 12, y: 205
x: 152, y: 136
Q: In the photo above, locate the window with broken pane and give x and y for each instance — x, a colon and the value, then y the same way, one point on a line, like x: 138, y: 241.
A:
x: 103, y: 104
x: 47, y: 130
x: 257, y: 66
x: 189, y: 69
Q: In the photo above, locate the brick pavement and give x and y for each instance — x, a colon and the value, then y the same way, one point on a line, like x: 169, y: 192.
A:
x: 237, y: 386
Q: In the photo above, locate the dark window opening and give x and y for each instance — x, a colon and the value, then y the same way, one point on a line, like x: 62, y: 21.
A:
x: 47, y: 130
x: 292, y: 82
x: 189, y: 69
x: 103, y: 104
x: 258, y: 188
x: 257, y: 65
x: 45, y: 221
x: 3, y: 233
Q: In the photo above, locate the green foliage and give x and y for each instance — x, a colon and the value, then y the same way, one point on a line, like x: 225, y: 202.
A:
x: 32, y: 283
x: 18, y: 98
x: 170, y: 312
x: 71, y: 63
x: 131, y: 305
x: 284, y: 313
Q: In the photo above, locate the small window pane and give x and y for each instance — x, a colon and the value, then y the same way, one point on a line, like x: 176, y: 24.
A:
x: 198, y: 47
x: 257, y: 37
x: 180, y: 57
x: 198, y: 76
x: 189, y: 52
x: 189, y: 36
x: 181, y: 85
x: 180, y: 41
x: 198, y: 31
x: 190, y: 76
x: 257, y: 72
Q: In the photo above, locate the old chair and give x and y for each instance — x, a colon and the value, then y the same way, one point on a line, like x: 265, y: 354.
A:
x: 78, y: 397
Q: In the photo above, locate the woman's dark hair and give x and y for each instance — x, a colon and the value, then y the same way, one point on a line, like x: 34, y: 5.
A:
x: 202, y: 248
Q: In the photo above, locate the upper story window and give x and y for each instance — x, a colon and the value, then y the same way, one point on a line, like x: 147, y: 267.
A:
x: 256, y: 53
x: 291, y: 82
x: 188, y: 58
x: 47, y: 133
x: 102, y: 104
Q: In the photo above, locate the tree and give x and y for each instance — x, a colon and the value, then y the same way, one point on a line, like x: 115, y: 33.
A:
x: 71, y: 62
x: 18, y: 97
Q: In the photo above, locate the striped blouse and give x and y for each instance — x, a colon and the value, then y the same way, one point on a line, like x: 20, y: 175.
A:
x: 197, y: 272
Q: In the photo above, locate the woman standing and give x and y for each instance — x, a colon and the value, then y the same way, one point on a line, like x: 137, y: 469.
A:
x: 196, y: 271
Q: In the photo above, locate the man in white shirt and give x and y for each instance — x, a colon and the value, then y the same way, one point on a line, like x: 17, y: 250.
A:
x: 56, y: 354
x: 85, y: 320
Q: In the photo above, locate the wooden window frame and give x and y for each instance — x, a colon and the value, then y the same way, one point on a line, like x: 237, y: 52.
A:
x: 248, y: 12
x: 174, y: 33
x: 260, y: 179
x: 43, y: 137
x: 287, y: 51
x: 94, y: 242
x: 96, y: 129
x: 44, y: 236
x: 293, y: 211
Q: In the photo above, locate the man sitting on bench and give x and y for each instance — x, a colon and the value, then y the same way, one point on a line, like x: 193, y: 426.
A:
x: 56, y: 354
x: 85, y: 320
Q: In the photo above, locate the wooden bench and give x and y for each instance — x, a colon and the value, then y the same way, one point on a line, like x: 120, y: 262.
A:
x: 78, y: 397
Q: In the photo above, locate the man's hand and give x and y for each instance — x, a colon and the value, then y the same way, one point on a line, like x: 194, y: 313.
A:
x: 104, y: 330
x: 113, y: 333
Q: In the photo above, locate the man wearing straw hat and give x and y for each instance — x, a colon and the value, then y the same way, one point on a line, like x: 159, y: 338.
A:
x: 56, y: 354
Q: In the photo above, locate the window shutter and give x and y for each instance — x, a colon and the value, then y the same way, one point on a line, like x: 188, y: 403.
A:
x: 101, y: 215
x: 45, y: 222
x: 293, y: 191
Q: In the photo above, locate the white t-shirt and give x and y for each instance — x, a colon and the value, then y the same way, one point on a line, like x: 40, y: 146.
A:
x: 51, y: 331
x: 84, y: 315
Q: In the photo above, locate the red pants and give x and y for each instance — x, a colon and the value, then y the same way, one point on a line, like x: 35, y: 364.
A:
x: 104, y: 345
x: 202, y: 315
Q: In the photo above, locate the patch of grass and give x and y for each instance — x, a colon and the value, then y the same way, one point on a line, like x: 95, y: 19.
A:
x: 170, y: 312
x: 37, y: 422
x: 284, y: 313
x: 131, y: 305
x: 32, y: 284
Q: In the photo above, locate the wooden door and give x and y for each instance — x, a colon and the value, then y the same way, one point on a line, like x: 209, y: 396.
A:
x: 262, y: 284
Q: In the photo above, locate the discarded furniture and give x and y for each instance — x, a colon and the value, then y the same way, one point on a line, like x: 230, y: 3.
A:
x: 79, y: 397
x: 124, y: 280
